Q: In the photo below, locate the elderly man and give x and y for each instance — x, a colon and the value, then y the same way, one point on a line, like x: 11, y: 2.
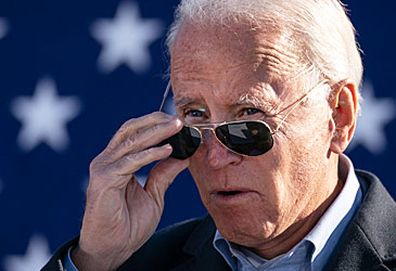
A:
x: 267, y: 96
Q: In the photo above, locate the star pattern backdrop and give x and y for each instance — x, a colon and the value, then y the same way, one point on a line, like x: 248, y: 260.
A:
x: 72, y: 72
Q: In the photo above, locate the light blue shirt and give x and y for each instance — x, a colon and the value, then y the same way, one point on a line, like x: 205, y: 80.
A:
x: 68, y: 263
x: 314, y: 251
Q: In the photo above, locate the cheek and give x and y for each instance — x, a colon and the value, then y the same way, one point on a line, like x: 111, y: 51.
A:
x: 199, y: 172
x: 197, y: 163
x: 308, y: 137
x: 303, y: 153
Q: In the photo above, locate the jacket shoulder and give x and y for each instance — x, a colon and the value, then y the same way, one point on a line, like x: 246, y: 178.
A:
x: 161, y: 252
x: 369, y: 242
x: 165, y: 249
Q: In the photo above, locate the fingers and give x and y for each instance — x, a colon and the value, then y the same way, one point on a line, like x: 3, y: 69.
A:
x: 120, y: 215
x: 132, y: 148
x: 162, y: 176
x: 145, y: 137
x: 134, y: 161
x: 133, y: 125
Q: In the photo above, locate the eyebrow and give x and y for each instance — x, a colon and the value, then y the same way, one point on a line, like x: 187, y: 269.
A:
x: 248, y: 99
x: 183, y: 101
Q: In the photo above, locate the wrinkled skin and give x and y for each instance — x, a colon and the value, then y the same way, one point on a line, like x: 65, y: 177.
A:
x: 120, y: 215
x: 282, y: 193
x: 268, y: 202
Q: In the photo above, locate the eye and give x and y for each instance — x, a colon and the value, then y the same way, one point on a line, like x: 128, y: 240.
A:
x: 194, y: 113
x: 251, y: 111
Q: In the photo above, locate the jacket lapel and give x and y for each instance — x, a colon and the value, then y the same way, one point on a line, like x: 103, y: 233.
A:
x: 370, y: 241
x: 204, y: 255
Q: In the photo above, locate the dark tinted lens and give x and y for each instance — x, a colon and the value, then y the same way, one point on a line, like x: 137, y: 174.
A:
x: 249, y: 138
x: 184, y: 143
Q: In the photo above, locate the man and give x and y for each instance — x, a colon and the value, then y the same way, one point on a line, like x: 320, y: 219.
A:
x: 268, y: 94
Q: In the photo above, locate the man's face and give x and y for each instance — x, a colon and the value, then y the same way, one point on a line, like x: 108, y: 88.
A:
x: 222, y: 74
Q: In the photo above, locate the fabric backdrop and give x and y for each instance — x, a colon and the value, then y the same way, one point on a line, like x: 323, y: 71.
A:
x: 73, y: 71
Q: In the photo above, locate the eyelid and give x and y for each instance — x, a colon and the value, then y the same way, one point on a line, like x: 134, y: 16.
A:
x: 186, y: 113
x: 203, y: 110
x: 188, y: 109
x: 258, y: 109
x: 250, y: 103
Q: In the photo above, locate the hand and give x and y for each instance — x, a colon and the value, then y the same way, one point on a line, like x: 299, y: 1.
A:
x: 120, y: 215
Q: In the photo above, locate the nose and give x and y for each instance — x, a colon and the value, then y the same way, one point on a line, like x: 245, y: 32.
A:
x: 218, y: 156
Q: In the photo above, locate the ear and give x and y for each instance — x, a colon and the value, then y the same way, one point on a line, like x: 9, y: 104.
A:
x: 344, y: 103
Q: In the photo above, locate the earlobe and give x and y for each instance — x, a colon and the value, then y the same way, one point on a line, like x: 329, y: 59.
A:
x: 344, y: 103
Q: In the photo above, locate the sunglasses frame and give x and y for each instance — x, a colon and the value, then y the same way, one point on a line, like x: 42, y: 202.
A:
x: 212, y: 126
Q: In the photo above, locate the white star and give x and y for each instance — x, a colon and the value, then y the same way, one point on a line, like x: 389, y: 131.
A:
x: 44, y: 117
x: 37, y: 254
x: 3, y: 28
x: 375, y: 115
x: 126, y: 39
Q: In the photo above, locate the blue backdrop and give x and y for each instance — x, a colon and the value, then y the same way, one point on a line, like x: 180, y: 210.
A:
x: 74, y: 71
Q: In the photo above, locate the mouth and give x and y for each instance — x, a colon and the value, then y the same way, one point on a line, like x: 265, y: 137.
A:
x: 232, y: 195
x: 229, y: 193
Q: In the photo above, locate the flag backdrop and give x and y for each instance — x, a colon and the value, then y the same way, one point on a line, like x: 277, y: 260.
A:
x: 73, y: 71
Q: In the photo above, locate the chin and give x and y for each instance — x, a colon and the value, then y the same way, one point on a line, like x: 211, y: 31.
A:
x: 242, y: 228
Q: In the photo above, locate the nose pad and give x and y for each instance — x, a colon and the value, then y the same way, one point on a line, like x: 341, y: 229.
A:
x: 207, y: 135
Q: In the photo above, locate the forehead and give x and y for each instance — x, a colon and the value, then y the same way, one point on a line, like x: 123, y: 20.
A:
x: 261, y: 96
x: 234, y: 62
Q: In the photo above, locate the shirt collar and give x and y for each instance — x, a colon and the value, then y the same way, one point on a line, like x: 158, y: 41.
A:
x: 333, y: 216
x: 342, y: 207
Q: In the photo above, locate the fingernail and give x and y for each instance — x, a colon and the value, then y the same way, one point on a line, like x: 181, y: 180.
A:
x: 167, y: 146
x: 178, y: 122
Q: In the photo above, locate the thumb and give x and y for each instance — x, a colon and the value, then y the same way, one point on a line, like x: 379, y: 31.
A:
x: 162, y: 176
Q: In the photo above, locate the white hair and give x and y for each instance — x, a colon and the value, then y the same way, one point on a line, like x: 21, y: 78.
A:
x: 319, y: 30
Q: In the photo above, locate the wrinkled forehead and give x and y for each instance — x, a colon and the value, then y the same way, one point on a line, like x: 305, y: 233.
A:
x: 236, y: 43
x: 235, y: 53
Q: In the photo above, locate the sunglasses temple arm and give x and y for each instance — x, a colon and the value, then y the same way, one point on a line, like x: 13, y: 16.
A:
x: 294, y: 105
x: 165, y: 96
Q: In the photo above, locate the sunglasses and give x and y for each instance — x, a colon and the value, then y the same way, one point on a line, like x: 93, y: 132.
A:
x: 243, y: 137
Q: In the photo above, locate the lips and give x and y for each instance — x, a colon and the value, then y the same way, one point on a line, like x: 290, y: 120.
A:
x: 229, y: 193
x: 232, y: 195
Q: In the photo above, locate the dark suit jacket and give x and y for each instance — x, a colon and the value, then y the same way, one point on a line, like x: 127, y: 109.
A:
x: 369, y: 243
